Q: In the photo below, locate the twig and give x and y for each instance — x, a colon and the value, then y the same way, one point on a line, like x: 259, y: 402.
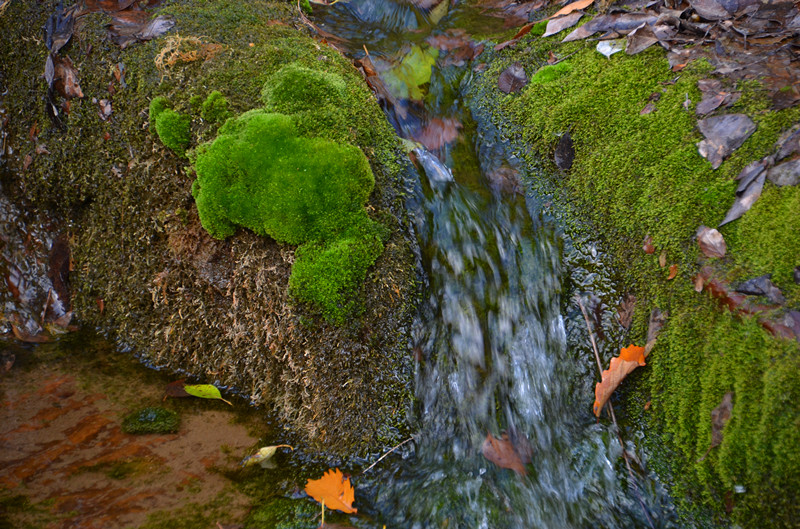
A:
x: 386, y: 454
x: 613, y: 417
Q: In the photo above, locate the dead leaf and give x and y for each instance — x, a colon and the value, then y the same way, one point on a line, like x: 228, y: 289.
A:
x: 751, y: 183
x: 131, y: 26
x: 565, y: 152
x: 438, y: 132
x: 557, y: 25
x: 648, y: 109
x: 724, y: 134
x: 625, y: 311
x: 711, y: 242
x: 654, y: 326
x: 698, y: 283
x: 620, y: 367
x: 621, y: 23
x: 785, y: 174
x: 512, y: 79
x: 712, y: 9
x: 673, y: 271
x: 788, y: 143
x: 640, y: 39
x: 762, y: 286
x: 719, y: 418
x: 574, y: 6
x: 65, y: 78
x: 26, y: 337
x: 175, y: 389
x: 59, y: 27
x: 334, y: 490
x: 648, y: 245
x: 501, y: 452
x: 662, y: 259
x: 105, y: 109
x: 610, y: 47
x: 27, y: 162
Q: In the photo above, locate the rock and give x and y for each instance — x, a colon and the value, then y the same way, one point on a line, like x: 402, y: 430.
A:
x: 785, y: 174
x: 565, y: 152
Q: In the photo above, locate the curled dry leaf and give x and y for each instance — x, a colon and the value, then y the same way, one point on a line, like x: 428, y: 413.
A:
x: 620, y: 367
x: 501, y: 452
x: 711, y: 242
x: 673, y: 271
x: 574, y: 6
x: 647, y: 246
x: 334, y: 490
x: 719, y: 418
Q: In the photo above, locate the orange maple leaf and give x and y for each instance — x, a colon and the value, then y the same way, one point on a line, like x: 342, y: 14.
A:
x: 334, y: 490
x: 629, y: 359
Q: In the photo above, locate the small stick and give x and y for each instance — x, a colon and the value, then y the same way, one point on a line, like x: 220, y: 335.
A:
x: 613, y: 417
x: 386, y: 454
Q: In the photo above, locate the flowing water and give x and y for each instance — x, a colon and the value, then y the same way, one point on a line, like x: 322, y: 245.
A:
x: 492, y: 339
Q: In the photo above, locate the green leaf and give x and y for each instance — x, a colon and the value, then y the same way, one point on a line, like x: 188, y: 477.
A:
x: 263, y: 456
x: 205, y: 391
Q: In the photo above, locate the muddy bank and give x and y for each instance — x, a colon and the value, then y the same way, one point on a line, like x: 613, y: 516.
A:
x: 145, y: 272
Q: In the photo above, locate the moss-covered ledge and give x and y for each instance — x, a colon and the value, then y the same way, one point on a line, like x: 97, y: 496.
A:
x: 638, y: 175
x: 149, y: 275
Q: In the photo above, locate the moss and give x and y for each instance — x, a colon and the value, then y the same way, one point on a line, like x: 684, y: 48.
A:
x: 305, y: 5
x: 151, y: 420
x: 173, y: 128
x: 539, y: 28
x: 215, y: 108
x: 295, y: 88
x: 549, y: 73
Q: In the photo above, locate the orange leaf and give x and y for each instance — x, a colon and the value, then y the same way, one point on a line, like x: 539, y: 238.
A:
x: 629, y: 359
x: 334, y: 490
x: 673, y: 271
x: 501, y: 452
x: 574, y: 6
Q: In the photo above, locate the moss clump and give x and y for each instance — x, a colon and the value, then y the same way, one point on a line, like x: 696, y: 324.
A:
x: 215, y: 108
x: 173, y: 128
x: 152, y: 419
x: 549, y: 73
x: 295, y: 88
x: 259, y: 174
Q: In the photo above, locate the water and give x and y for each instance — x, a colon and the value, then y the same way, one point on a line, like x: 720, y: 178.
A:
x: 492, y: 344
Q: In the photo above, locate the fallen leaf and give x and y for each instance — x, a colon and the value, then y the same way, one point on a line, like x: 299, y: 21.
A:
x: 501, y: 452
x: 640, y: 39
x: 625, y: 311
x: 42, y: 149
x: 788, y: 143
x: 610, y: 47
x: 129, y: 26
x: 711, y: 9
x: 263, y: 456
x: 438, y: 132
x: 711, y: 242
x: 65, y: 78
x: 333, y: 490
x: 512, y: 79
x: 175, y: 389
x: 620, y: 367
x: 673, y: 271
x: 648, y: 245
x: 574, y: 6
x: 785, y: 174
x: 105, y: 109
x: 719, y: 418
x: 698, y: 283
x: 557, y: 25
x: 26, y: 337
x: 654, y: 326
x: 26, y: 162
x: 648, y: 109
x: 762, y: 286
x: 205, y: 391
x: 565, y: 152
x: 59, y: 27
x: 621, y: 23
x: 723, y: 135
x: 662, y: 259
x: 751, y: 183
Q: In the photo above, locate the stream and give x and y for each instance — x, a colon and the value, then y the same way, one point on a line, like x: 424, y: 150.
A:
x: 497, y: 333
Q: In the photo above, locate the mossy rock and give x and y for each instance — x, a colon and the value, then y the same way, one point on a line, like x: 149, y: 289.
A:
x: 295, y: 88
x: 152, y: 419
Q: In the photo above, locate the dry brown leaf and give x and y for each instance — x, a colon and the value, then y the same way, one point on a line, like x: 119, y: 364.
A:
x: 620, y: 367
x: 501, y: 452
x: 574, y: 6
x: 711, y: 242
x: 557, y: 25
x: 662, y: 259
x: 719, y: 418
x: 673, y: 271
x: 334, y: 490
x: 647, y: 246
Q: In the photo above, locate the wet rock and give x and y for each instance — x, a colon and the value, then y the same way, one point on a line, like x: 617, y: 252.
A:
x: 512, y: 79
x: 762, y: 286
x: 785, y: 174
x: 724, y: 134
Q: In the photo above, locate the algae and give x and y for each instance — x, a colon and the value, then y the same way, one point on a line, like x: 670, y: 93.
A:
x: 152, y: 419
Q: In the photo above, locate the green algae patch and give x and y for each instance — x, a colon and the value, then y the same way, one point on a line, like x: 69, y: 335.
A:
x: 639, y: 174
x: 152, y: 419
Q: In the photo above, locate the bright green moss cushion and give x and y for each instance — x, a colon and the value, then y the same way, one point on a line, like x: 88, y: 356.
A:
x: 259, y: 174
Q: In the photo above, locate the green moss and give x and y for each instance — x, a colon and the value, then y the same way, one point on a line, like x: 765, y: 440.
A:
x: 295, y: 88
x: 215, y: 108
x: 549, y: 73
x: 327, y: 273
x: 173, y: 129
x: 539, y: 28
x: 151, y: 420
x: 157, y: 106
x: 305, y: 5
